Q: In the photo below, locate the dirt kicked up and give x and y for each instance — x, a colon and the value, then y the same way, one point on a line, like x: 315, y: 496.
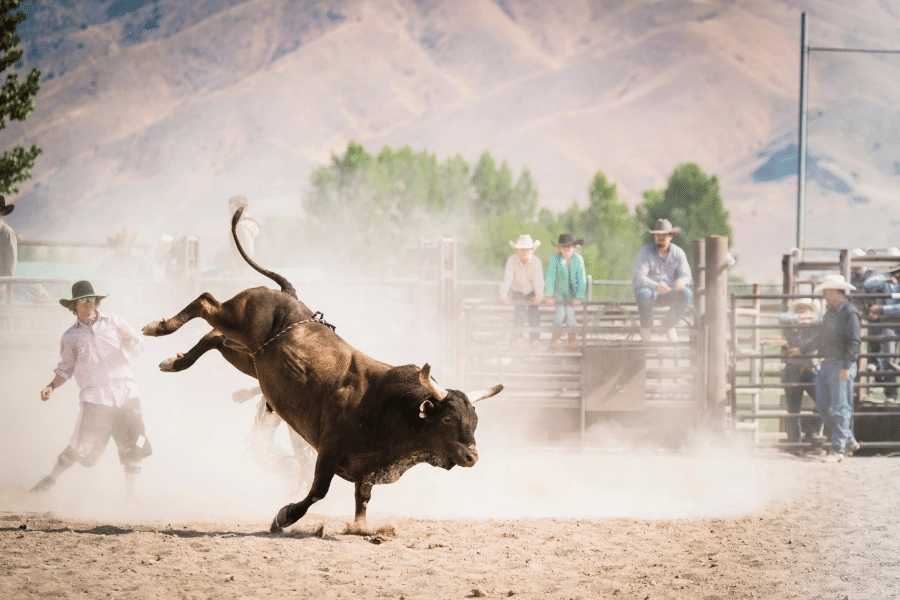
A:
x: 834, y: 533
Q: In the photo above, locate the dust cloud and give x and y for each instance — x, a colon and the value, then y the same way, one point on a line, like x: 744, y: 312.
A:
x: 202, y: 469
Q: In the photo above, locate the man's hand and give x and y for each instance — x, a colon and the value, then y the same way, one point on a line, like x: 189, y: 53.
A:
x: 241, y: 396
x: 793, y: 352
x: 45, y: 393
x: 662, y: 289
x: 536, y: 301
x: 576, y: 302
x: 123, y: 331
x: 506, y: 301
x: 680, y: 285
x: 875, y: 312
x: 844, y: 374
x: 549, y: 300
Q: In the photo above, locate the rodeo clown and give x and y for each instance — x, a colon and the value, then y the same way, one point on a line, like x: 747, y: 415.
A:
x: 95, y: 350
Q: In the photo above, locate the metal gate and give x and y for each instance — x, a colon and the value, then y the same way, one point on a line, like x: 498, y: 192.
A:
x: 608, y: 375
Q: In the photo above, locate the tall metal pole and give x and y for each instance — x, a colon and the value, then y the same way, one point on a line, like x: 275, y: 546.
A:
x: 801, y: 150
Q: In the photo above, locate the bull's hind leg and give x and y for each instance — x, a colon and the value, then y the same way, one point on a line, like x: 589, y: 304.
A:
x: 214, y: 340
x: 204, y: 306
x: 291, y: 513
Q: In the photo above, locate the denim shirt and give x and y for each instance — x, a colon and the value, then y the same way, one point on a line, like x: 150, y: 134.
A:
x: 650, y: 270
x: 839, y: 338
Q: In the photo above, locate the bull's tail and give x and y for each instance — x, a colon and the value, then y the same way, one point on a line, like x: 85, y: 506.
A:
x: 286, y: 286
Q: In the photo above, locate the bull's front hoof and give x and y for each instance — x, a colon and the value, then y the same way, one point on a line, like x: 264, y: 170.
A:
x: 152, y: 329
x: 168, y: 365
x: 280, y: 521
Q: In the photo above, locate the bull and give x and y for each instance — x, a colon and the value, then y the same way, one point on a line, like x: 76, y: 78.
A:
x: 369, y: 421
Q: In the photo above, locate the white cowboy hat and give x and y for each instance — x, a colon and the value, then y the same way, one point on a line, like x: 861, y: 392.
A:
x: 809, y: 303
x: 834, y: 282
x: 525, y: 243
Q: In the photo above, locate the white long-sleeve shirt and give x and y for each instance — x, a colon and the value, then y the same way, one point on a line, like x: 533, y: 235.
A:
x: 97, y: 357
x: 523, y: 278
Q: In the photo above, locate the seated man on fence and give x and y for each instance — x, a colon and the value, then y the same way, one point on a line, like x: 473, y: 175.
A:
x: 798, y: 369
x: 662, y: 277
x: 523, y: 284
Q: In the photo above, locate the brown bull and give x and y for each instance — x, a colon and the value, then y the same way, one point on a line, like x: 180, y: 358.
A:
x: 369, y: 421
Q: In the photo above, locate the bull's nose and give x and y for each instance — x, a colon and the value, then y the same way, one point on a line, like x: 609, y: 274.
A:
x: 469, y: 456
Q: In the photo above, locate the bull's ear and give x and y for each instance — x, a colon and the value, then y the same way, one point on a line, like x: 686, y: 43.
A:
x: 427, y: 405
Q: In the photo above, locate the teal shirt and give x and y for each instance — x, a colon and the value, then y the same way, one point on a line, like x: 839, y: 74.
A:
x: 568, y: 281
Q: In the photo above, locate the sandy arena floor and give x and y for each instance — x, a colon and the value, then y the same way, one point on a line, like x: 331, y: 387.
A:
x: 833, y: 534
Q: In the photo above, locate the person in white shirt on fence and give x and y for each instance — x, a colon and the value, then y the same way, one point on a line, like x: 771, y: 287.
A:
x: 523, y: 283
x: 95, y: 351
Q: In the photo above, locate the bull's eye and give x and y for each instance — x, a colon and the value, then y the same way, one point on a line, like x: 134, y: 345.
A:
x: 447, y: 420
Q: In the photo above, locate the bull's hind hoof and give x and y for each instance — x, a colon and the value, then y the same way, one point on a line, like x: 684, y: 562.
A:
x: 168, y: 365
x: 152, y: 329
x: 280, y: 521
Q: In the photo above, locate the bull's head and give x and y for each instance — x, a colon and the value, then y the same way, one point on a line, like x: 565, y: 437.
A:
x: 453, y: 415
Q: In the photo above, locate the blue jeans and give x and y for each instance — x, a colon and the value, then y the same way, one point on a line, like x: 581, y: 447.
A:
x: 834, y: 401
x: 886, y: 347
x: 647, y: 298
x: 565, y: 312
x: 793, y: 397
x: 522, y: 305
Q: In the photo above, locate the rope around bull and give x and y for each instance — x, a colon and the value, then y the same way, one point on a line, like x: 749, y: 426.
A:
x: 317, y: 317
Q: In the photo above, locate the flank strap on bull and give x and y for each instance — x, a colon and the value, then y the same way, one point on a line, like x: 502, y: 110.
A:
x: 317, y: 317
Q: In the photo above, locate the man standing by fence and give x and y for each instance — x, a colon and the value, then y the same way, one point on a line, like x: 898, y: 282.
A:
x: 838, y: 346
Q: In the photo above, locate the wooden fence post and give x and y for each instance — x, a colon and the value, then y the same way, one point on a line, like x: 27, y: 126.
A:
x: 716, y: 319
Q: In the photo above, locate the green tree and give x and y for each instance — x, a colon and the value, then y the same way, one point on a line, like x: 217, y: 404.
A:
x: 496, y: 194
x: 16, y: 99
x: 691, y: 201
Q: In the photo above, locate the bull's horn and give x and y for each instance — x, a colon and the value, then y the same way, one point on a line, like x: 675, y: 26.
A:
x: 485, y: 394
x: 430, y: 384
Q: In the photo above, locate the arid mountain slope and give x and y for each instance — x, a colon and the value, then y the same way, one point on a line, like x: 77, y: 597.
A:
x: 153, y: 113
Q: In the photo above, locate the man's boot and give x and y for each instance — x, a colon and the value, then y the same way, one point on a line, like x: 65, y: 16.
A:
x: 573, y: 341
x: 555, y: 342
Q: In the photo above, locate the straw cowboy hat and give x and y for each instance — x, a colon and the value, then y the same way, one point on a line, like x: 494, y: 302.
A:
x: 807, y: 303
x: 566, y: 239
x: 122, y: 238
x: 525, y: 243
x: 834, y: 282
x: 5, y: 208
x: 664, y: 226
x: 80, y: 289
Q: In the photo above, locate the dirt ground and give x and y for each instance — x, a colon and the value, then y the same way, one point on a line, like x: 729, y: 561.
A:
x: 834, y: 533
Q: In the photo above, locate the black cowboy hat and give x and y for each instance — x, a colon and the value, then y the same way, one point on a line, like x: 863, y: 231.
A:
x: 5, y: 208
x: 80, y: 289
x: 566, y: 239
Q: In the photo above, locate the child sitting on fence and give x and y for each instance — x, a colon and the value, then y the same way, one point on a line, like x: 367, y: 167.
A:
x: 566, y: 284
